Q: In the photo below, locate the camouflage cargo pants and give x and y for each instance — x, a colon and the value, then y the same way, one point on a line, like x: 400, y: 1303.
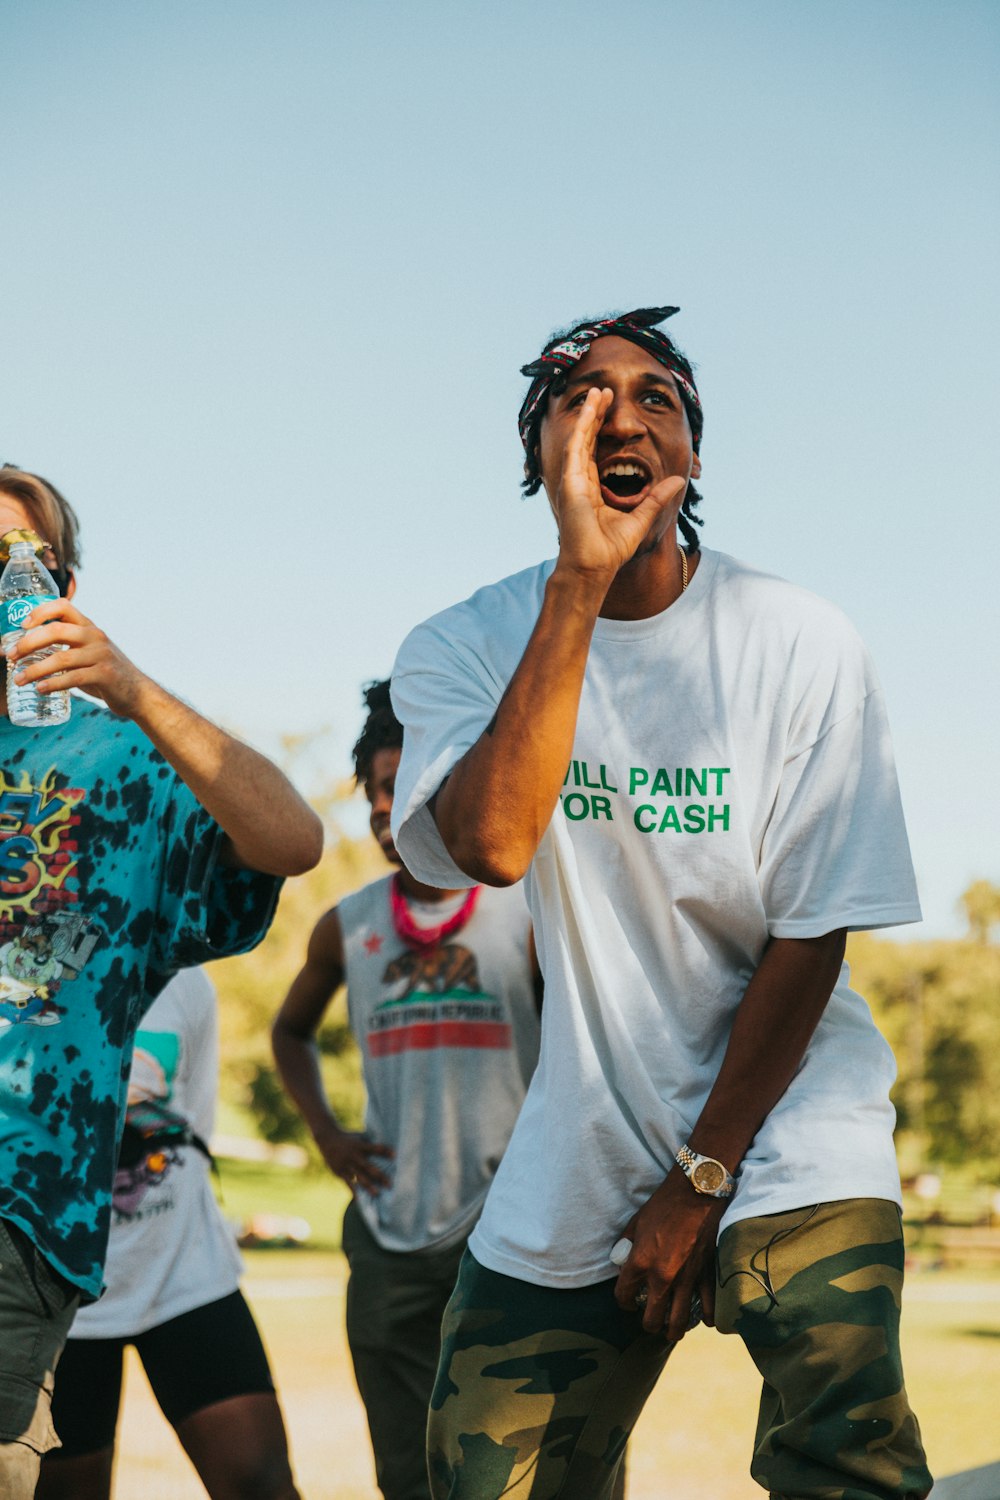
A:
x: 538, y: 1389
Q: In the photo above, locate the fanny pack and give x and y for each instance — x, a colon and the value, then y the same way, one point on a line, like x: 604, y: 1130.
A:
x: 151, y: 1127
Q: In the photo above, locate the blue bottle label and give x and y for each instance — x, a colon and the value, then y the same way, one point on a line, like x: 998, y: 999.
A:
x: 14, y: 612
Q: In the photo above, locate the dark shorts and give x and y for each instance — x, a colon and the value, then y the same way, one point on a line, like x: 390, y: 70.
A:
x: 209, y: 1354
x: 37, y: 1306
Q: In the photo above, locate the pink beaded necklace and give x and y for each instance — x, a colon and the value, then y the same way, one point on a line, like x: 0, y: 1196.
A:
x: 426, y: 937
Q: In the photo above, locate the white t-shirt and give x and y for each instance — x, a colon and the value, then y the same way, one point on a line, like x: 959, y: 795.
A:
x: 449, y: 1041
x: 170, y: 1249
x: 732, y: 780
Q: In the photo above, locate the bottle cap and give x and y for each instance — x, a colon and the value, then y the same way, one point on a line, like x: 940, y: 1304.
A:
x: 19, y: 534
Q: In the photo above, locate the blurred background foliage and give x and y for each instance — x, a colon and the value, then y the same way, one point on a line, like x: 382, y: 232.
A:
x: 252, y: 986
x: 937, y: 1002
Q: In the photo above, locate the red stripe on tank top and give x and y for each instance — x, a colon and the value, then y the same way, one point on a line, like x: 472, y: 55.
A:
x: 424, y: 1036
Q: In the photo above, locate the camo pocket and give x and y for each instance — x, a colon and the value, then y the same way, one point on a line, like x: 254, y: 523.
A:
x: 815, y: 1296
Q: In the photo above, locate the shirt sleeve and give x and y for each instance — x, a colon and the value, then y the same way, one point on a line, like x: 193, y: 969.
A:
x: 205, y: 910
x: 444, y: 697
x: 835, y: 851
x: 200, y: 1039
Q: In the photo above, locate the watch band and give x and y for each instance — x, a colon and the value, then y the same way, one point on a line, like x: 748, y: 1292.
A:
x: 705, y: 1174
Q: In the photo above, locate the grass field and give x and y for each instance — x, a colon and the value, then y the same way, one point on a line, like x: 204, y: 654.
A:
x: 952, y: 1350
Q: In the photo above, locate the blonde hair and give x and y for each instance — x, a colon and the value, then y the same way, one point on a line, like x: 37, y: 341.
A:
x: 51, y: 512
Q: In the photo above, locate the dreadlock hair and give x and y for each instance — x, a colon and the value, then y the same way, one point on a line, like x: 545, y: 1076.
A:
x: 382, y: 730
x: 532, y: 482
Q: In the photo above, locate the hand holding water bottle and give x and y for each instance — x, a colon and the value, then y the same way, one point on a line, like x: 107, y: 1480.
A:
x: 61, y: 649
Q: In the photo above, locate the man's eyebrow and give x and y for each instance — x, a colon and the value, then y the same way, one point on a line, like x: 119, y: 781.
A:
x: 597, y: 377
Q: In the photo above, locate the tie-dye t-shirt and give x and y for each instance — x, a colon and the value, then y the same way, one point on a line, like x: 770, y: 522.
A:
x: 109, y: 882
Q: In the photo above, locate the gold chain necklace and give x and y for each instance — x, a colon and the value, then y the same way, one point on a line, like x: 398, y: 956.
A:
x: 684, y: 568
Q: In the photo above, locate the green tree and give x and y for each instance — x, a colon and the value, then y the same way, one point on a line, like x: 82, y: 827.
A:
x: 981, y: 903
x: 937, y: 1004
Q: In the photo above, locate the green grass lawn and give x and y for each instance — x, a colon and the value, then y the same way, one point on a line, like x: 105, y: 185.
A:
x: 249, y: 1188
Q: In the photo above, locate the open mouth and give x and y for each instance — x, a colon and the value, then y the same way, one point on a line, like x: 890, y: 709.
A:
x: 623, y: 480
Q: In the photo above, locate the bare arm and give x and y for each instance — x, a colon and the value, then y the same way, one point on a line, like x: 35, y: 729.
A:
x: 268, y: 825
x: 293, y: 1037
x: 497, y: 802
x: 674, y: 1233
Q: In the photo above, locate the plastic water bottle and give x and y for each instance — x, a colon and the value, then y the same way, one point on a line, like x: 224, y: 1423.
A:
x: 26, y: 583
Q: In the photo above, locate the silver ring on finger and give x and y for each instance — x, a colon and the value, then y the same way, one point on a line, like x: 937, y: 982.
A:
x: 641, y: 1298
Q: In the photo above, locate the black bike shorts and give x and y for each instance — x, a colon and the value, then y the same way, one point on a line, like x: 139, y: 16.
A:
x: 206, y: 1355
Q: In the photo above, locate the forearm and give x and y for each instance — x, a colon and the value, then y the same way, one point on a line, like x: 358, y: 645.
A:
x: 496, y: 805
x: 775, y: 1021
x: 269, y: 826
x: 298, y: 1063
x: 674, y: 1232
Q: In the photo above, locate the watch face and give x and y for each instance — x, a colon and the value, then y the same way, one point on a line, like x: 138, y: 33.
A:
x: 708, y: 1176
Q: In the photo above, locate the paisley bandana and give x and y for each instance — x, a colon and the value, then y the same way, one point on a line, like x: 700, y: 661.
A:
x: 563, y: 354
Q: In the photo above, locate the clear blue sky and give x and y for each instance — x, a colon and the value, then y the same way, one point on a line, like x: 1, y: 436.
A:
x: 268, y: 272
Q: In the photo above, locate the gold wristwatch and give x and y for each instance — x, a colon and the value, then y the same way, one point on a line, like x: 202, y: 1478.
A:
x: 705, y: 1174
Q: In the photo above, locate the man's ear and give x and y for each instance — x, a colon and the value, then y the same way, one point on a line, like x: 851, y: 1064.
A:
x: 696, y: 467
x: 70, y: 584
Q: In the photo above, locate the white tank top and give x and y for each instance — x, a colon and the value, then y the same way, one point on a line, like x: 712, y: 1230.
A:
x: 449, y: 1040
